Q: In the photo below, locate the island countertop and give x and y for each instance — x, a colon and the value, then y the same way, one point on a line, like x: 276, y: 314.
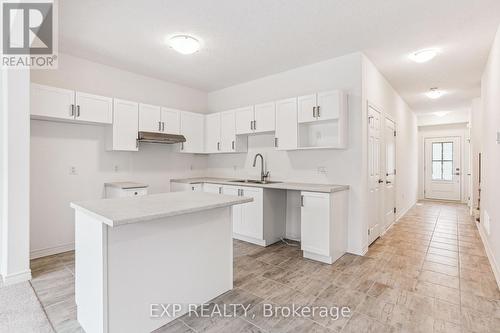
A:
x: 120, y: 211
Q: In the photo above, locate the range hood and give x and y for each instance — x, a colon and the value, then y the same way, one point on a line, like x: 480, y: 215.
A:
x: 152, y: 137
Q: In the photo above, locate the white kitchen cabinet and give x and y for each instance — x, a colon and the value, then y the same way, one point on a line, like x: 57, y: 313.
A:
x: 244, y: 118
x: 256, y: 119
x: 323, y: 225
x: 122, y: 134
x: 157, y: 119
x: 321, y: 106
x: 193, y: 129
x: 265, y: 117
x: 286, y: 124
x: 262, y: 221
x: 228, y: 132
x: 48, y: 102
x: 181, y: 187
x: 213, y: 133
x: 93, y: 108
x: 170, y: 119
x: 212, y: 188
x: 149, y: 118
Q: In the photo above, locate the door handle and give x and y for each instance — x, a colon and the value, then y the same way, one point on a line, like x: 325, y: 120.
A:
x: 380, y: 181
x: 457, y: 173
x: 388, y: 182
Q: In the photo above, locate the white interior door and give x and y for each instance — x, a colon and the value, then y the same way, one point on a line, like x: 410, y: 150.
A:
x: 390, y: 173
x: 442, y: 168
x: 374, y: 177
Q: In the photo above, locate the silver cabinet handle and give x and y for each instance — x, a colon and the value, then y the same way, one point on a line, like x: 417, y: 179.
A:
x: 72, y: 110
x: 251, y: 124
x: 318, y: 114
x: 242, y: 193
x: 182, y: 145
x: 255, y: 125
x: 301, y: 201
x: 163, y: 126
x: 78, y: 111
x: 276, y: 142
x: 314, y: 112
x: 159, y: 126
x: 220, y: 190
x: 232, y: 144
x: 218, y: 145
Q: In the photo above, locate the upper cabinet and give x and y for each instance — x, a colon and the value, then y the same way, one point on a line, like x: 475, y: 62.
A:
x: 123, y: 133
x: 322, y: 120
x: 69, y: 105
x: 256, y: 119
x: 286, y: 124
x: 157, y: 119
x: 193, y: 128
x: 220, y: 134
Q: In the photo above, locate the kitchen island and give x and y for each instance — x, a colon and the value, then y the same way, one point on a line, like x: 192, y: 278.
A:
x: 133, y: 253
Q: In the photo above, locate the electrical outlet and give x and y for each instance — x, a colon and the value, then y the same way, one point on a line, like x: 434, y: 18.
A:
x: 72, y: 171
x: 322, y: 170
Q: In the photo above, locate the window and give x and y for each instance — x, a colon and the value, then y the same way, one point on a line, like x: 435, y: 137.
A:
x: 442, y: 161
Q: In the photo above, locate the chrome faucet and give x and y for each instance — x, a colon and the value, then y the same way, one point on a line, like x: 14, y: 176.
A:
x: 263, y: 175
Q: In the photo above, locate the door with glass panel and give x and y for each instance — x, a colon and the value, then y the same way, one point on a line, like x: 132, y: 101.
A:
x: 442, y: 168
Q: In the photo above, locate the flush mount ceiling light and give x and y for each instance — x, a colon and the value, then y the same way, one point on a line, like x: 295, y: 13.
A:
x: 441, y: 113
x: 424, y: 55
x: 184, y: 44
x: 435, y: 93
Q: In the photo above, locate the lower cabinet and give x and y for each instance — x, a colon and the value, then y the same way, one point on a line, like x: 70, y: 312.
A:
x: 180, y: 187
x: 323, y: 225
x: 262, y: 221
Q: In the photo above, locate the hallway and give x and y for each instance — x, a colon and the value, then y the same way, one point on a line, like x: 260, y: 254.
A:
x: 429, y: 273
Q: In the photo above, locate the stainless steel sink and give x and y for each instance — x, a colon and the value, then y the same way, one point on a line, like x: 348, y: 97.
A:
x: 253, y: 181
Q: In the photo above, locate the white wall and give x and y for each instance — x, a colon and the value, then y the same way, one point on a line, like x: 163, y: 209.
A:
x: 490, y: 189
x: 15, y: 176
x: 56, y: 147
x: 442, y: 131
x: 379, y: 92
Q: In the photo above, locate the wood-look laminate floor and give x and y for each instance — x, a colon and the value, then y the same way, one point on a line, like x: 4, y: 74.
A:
x: 429, y: 273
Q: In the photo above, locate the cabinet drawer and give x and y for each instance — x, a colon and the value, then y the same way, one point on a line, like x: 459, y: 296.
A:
x: 134, y: 192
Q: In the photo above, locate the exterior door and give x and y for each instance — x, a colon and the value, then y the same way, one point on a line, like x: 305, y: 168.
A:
x: 442, y: 168
x: 390, y: 173
x: 374, y: 177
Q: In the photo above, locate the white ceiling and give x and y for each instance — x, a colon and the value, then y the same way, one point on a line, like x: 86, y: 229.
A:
x: 248, y: 39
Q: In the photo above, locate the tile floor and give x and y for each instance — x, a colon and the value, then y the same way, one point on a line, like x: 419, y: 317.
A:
x: 429, y: 273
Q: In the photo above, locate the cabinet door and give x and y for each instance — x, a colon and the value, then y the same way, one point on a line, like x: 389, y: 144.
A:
x: 228, y: 131
x: 306, y: 107
x: 329, y: 104
x: 52, y: 102
x: 265, y: 117
x: 94, y: 108
x: 193, y: 128
x: 252, y: 214
x: 212, y: 188
x: 230, y: 190
x: 149, y: 118
x: 315, y: 223
x: 286, y: 124
x: 212, y: 133
x: 125, y: 125
x: 170, y: 119
x: 244, y: 120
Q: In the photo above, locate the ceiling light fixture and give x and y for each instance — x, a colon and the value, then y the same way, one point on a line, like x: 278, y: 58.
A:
x: 184, y: 44
x: 424, y: 55
x: 435, y: 93
x: 441, y: 113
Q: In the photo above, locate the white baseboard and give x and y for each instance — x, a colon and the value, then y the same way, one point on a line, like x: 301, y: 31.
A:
x: 52, y: 250
x: 16, y: 278
x: 403, y: 213
x: 493, y: 263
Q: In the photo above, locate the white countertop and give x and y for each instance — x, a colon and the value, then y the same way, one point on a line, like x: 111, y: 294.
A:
x: 126, y: 185
x: 120, y: 211
x: 324, y: 188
